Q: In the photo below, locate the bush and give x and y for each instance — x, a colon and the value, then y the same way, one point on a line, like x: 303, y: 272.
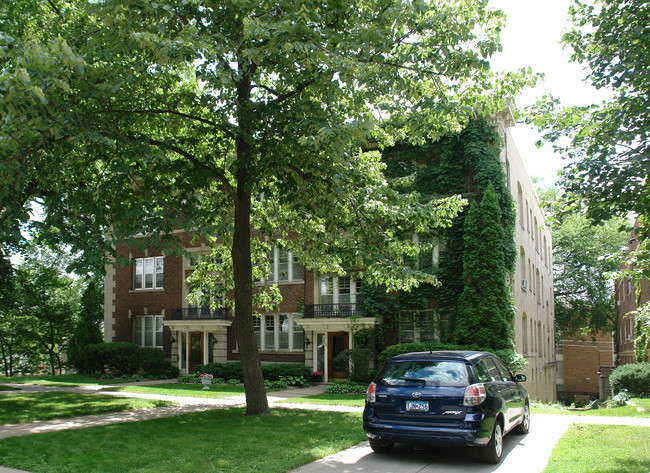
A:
x: 116, y: 356
x: 271, y: 372
x: 510, y: 357
x: 222, y: 370
x: 276, y: 371
x: 633, y: 378
x: 123, y: 358
x: 192, y: 379
x: 347, y: 388
x: 153, y: 363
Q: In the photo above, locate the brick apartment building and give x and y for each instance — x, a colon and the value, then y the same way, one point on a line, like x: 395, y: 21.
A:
x: 146, y: 302
x: 628, y: 299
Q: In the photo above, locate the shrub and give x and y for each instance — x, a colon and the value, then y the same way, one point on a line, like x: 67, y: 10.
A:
x: 275, y: 384
x: 617, y: 401
x: 192, y: 379
x: 271, y: 372
x: 233, y: 381
x: 347, y: 388
x: 218, y: 381
x: 152, y: 362
x: 633, y: 378
x: 276, y: 371
x: 222, y: 370
x: 116, y: 356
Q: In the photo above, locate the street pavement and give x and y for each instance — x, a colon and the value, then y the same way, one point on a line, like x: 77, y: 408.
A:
x: 529, y: 453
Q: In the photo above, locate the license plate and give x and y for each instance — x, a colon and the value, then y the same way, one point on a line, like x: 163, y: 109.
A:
x: 417, y: 406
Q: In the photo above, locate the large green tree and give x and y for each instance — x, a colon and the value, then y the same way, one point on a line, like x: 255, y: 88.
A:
x: 48, y: 305
x: 485, y: 306
x: 144, y: 117
x: 583, y: 264
x: 607, y: 144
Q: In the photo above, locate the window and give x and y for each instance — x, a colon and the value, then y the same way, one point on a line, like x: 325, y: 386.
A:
x: 505, y: 372
x: 418, y: 327
x: 283, y: 267
x: 340, y: 290
x: 148, y: 330
x: 524, y: 332
x: 149, y: 273
x: 520, y: 201
x: 435, y: 373
x: 428, y: 258
x: 278, y: 332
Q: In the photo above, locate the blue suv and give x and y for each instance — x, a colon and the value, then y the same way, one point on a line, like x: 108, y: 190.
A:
x: 446, y: 398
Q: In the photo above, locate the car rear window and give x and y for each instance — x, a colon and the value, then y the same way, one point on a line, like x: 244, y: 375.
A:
x: 434, y: 373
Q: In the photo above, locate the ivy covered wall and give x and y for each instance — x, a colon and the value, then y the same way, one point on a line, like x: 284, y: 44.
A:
x: 459, y: 163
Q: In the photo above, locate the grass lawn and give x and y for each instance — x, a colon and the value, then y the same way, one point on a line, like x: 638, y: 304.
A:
x: 624, y: 411
x: 601, y: 449
x: 8, y: 388
x: 211, y: 441
x: 16, y: 408
x: 62, y: 380
x: 330, y: 399
x: 643, y: 403
x: 193, y: 390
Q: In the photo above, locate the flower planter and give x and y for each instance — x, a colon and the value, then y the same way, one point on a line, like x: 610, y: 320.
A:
x: 206, y: 379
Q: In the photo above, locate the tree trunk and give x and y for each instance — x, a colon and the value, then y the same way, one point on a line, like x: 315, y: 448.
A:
x: 256, y: 402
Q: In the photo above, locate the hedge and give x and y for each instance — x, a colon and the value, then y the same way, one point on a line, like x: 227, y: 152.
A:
x: 129, y: 358
x: 271, y: 372
x: 635, y: 378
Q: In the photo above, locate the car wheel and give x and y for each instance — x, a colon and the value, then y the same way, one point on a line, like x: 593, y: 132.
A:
x: 524, y: 427
x: 491, y: 453
x: 381, y: 446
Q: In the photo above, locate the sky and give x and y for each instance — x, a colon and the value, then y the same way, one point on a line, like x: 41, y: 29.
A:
x: 532, y: 37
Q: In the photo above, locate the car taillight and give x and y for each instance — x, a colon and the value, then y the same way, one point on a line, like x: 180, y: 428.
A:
x: 370, y: 393
x: 474, y: 395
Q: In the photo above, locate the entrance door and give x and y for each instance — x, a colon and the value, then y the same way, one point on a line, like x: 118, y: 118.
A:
x: 336, y: 343
x: 196, y: 350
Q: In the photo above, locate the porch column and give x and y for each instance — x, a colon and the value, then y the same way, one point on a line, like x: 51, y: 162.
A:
x: 325, y: 358
x: 206, y: 347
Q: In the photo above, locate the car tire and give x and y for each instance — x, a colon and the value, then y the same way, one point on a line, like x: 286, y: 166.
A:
x: 492, y: 452
x: 381, y: 446
x: 524, y: 426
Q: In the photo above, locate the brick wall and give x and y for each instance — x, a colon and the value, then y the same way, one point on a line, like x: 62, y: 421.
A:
x: 582, y: 359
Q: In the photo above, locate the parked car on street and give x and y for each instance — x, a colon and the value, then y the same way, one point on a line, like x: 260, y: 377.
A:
x: 446, y: 398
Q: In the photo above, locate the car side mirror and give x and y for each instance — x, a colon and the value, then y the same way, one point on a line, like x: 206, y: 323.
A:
x: 520, y: 378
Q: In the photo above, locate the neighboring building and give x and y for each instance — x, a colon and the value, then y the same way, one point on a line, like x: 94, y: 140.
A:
x: 147, y: 301
x: 628, y: 300
x: 582, y: 366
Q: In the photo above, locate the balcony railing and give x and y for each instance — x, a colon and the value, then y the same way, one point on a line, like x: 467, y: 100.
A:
x: 199, y: 313
x: 319, y: 311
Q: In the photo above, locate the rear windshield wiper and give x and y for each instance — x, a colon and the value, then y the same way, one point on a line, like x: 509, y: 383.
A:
x: 415, y: 380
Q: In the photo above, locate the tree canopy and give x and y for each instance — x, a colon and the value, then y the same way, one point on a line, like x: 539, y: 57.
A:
x: 234, y: 118
x: 584, y: 261
x: 607, y: 144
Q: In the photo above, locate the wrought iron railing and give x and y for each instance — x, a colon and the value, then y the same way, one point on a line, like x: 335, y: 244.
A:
x: 318, y: 311
x: 199, y: 313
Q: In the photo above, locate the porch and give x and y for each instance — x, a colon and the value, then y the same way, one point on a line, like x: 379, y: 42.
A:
x: 329, y: 330
x: 199, y: 335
